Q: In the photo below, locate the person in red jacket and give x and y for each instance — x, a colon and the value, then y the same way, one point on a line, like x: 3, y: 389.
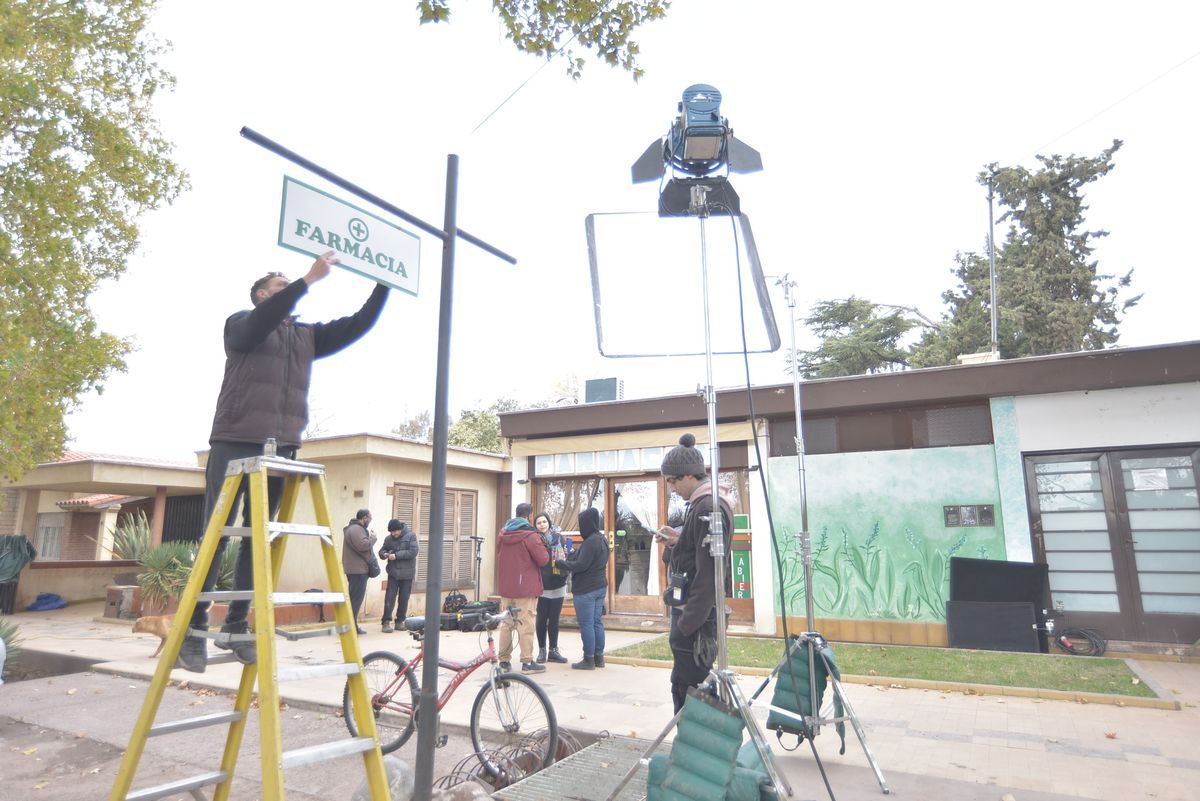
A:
x: 520, y: 559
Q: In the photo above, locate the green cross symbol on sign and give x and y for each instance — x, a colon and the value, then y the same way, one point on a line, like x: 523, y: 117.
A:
x: 358, y: 229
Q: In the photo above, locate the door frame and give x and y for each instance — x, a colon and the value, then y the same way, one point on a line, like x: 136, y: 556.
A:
x: 1131, y: 622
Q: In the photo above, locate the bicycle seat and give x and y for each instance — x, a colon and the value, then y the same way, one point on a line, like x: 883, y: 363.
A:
x: 416, y: 623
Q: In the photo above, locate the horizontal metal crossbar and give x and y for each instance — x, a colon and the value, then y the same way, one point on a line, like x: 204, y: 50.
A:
x: 292, y: 636
x: 316, y: 671
x: 180, y: 786
x: 275, y: 529
x: 198, y: 722
x: 274, y: 466
x: 221, y: 596
x: 319, y: 753
x: 280, y: 598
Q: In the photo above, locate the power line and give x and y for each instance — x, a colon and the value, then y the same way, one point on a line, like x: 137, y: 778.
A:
x: 1116, y: 103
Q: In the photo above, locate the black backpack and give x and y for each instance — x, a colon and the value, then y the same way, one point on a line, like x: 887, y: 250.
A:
x: 454, y: 602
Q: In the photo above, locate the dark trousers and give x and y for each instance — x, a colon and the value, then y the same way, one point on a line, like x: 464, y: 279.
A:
x: 548, y: 612
x: 219, y: 457
x: 686, y: 671
x: 358, y: 590
x: 398, y: 590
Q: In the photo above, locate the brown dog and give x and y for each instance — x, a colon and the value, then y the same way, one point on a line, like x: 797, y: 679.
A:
x: 158, y: 625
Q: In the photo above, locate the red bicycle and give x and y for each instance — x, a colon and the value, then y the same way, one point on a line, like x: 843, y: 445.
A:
x: 510, y: 708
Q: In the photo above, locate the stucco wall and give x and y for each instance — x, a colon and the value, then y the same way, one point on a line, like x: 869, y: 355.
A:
x: 880, y: 544
x: 1110, y: 418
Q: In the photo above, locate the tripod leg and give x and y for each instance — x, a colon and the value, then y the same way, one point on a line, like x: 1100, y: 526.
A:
x: 645, y: 758
x: 862, y: 737
x: 821, y: 767
x: 782, y: 788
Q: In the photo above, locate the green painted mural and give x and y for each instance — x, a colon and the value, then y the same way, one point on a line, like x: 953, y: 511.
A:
x: 882, y: 536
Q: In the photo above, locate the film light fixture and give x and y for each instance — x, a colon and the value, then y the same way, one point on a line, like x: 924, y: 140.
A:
x: 699, y: 150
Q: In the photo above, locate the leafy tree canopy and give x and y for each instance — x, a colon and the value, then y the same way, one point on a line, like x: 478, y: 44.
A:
x: 479, y: 429
x: 1052, y: 298
x: 81, y: 159
x: 857, y: 337
x: 550, y: 27
x: 418, y: 427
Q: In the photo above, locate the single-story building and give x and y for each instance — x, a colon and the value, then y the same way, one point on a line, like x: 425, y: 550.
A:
x: 1084, y: 461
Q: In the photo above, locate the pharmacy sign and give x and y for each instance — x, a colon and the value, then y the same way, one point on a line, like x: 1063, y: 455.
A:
x: 315, y: 222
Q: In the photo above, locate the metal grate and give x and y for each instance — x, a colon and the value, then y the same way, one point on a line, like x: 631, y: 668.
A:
x: 587, y: 775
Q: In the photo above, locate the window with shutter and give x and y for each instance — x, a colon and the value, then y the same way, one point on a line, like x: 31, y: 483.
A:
x: 412, y: 504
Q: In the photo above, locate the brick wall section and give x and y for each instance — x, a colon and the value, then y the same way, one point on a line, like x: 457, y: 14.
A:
x: 9, y: 501
x: 77, y: 534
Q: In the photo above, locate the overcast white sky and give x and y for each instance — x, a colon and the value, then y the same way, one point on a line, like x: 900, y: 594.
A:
x: 873, y: 119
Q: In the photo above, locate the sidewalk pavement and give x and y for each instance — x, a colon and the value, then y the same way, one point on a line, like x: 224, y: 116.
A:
x: 929, y: 744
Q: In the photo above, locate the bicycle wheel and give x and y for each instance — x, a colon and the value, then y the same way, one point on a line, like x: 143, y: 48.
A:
x: 392, y: 687
x: 513, y: 711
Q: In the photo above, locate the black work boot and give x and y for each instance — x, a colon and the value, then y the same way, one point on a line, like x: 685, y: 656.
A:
x: 555, y: 656
x: 599, y: 659
x: 541, y: 657
x: 193, y: 655
x: 587, y: 663
x: 244, y: 651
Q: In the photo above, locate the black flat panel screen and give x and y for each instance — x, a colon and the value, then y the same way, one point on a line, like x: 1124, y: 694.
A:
x: 991, y: 580
x: 992, y: 626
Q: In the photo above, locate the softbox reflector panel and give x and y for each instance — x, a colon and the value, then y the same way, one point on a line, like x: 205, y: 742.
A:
x: 648, y: 285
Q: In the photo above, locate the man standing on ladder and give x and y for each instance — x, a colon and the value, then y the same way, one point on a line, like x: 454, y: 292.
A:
x: 264, y: 396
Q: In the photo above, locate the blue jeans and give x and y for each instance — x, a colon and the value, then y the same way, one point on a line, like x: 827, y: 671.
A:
x: 589, y: 608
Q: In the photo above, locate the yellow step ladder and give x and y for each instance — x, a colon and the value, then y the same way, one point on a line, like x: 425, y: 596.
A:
x: 267, y: 540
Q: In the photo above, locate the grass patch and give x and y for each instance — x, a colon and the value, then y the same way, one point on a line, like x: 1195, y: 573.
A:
x: 1038, y: 671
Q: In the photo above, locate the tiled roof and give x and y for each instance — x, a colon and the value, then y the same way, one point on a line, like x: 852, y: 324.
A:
x: 81, y: 456
x: 100, y: 501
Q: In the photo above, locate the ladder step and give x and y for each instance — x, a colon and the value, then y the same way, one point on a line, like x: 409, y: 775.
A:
x: 226, y: 595
x: 319, y: 753
x: 316, y: 671
x: 276, y: 529
x: 292, y: 636
x: 198, y: 722
x: 180, y: 786
x: 274, y: 465
x: 281, y: 598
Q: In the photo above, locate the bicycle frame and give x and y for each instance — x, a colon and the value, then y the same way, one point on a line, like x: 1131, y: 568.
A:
x: 461, y: 669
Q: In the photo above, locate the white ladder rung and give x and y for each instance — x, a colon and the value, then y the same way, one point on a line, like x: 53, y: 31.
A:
x: 200, y: 721
x: 221, y: 596
x: 319, y: 753
x: 180, y: 786
x: 275, y: 530
x: 281, y: 598
x: 316, y: 671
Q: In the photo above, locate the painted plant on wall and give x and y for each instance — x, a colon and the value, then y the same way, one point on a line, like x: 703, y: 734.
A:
x: 880, y: 540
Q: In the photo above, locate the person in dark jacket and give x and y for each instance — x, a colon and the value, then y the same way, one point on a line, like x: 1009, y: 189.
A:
x: 519, y: 561
x: 357, y: 544
x: 554, y: 588
x: 691, y: 593
x: 264, y: 395
x: 399, y: 553
x: 589, y: 586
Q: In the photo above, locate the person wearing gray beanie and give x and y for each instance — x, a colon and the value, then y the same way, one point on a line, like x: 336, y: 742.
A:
x: 691, y: 591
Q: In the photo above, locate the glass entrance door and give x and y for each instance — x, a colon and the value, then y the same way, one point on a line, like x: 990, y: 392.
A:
x: 636, y: 556
x: 1120, y: 532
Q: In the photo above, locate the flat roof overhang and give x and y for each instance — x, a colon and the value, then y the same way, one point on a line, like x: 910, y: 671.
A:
x: 1040, y: 375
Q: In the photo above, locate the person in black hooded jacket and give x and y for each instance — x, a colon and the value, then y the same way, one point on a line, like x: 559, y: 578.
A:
x: 589, y: 585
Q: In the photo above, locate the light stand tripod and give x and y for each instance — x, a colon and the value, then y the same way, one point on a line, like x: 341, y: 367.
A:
x: 810, y: 639
x: 721, y: 681
x: 478, y: 563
